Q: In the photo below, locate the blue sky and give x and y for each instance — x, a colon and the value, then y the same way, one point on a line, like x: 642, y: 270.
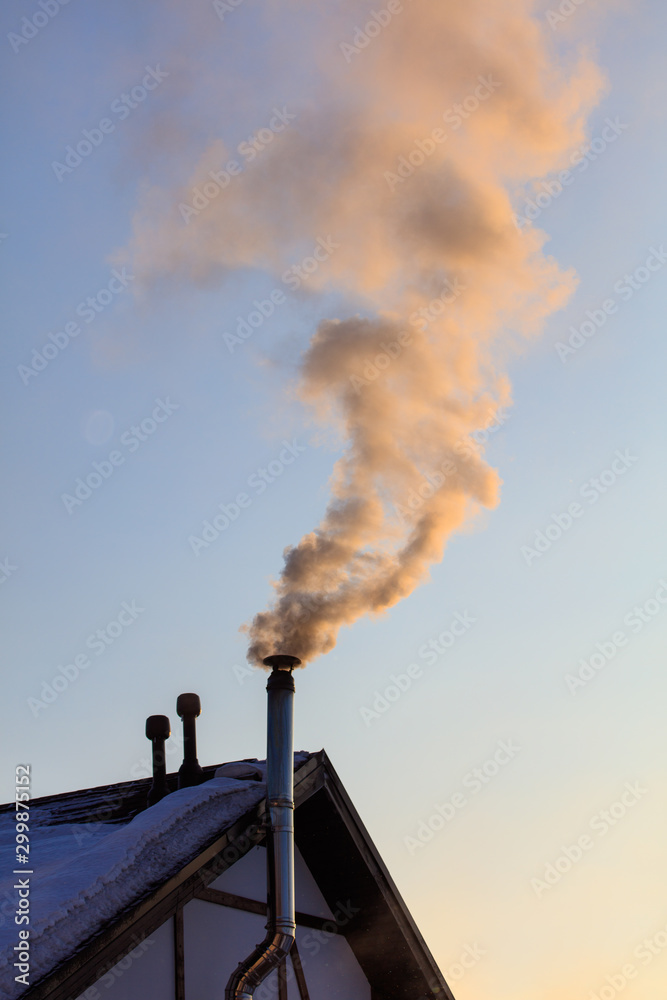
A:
x: 227, y: 415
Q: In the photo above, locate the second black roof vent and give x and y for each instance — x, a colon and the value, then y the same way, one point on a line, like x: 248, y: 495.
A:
x: 190, y: 772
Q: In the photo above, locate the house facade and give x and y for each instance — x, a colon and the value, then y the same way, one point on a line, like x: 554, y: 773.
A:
x: 162, y: 903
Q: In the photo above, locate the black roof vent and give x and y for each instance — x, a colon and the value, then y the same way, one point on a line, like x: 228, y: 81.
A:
x: 190, y: 772
x: 158, y: 729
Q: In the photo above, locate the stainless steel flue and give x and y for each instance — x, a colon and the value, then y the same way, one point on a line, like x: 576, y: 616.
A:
x: 281, y: 924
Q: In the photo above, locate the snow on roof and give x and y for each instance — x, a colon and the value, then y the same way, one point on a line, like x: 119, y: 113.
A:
x: 86, y: 874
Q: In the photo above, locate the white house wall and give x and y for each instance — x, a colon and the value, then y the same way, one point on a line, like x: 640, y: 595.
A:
x: 329, y: 967
x: 248, y: 878
x: 216, y: 938
x: 146, y: 973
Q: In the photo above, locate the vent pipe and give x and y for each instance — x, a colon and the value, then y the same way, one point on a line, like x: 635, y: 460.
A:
x: 281, y: 925
x: 158, y: 729
x: 190, y: 772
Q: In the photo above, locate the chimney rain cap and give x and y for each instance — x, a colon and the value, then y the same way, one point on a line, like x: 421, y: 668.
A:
x: 281, y: 661
x: 188, y: 704
x: 158, y: 727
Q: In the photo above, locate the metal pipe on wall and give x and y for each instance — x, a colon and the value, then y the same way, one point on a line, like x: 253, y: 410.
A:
x: 281, y: 926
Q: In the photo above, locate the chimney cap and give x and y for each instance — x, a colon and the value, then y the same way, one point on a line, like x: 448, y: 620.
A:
x: 158, y: 727
x: 188, y: 704
x: 281, y: 661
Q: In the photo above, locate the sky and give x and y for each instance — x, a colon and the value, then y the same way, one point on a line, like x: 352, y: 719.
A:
x: 500, y: 727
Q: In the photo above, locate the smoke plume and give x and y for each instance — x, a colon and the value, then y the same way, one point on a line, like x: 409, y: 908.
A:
x: 428, y: 125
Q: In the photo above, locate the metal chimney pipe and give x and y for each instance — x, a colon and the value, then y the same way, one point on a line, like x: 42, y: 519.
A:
x: 281, y: 925
x: 190, y: 772
x: 158, y: 729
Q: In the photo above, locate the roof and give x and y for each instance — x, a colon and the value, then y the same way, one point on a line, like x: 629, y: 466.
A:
x: 107, y: 870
